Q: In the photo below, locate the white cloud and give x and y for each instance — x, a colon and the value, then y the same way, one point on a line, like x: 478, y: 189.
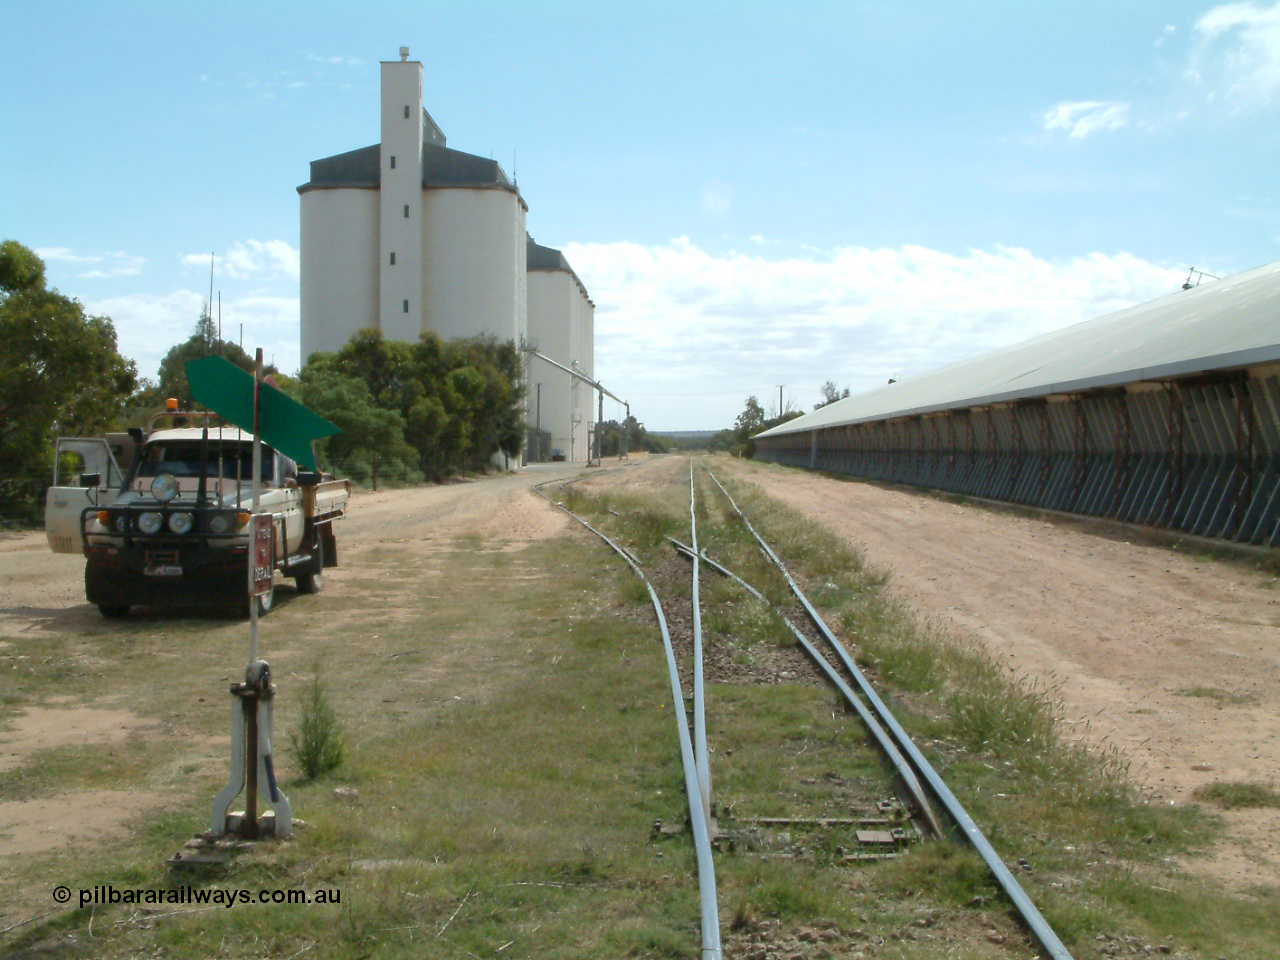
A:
x: 147, y: 325
x: 251, y: 260
x: 1169, y: 30
x: 336, y: 59
x: 105, y: 265
x: 1084, y: 117
x: 687, y: 335
x: 716, y: 199
x: 1240, y: 52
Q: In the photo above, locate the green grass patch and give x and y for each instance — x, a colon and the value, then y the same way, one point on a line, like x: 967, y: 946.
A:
x: 1238, y: 795
x: 1217, y: 695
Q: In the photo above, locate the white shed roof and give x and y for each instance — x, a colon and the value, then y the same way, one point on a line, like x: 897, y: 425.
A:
x: 1221, y: 324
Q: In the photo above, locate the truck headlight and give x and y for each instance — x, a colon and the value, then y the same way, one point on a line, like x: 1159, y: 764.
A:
x: 121, y: 523
x: 150, y: 522
x: 181, y: 523
x: 164, y: 487
x: 219, y: 523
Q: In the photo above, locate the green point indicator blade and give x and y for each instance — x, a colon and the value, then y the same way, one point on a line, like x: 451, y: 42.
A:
x: 287, y: 425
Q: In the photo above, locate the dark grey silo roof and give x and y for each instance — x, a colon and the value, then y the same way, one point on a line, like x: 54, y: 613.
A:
x: 441, y: 167
x: 538, y: 257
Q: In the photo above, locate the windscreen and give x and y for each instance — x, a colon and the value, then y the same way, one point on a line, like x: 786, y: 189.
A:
x: 183, y: 459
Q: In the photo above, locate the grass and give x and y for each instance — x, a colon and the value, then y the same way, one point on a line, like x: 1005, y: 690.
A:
x: 526, y: 801
x: 509, y: 767
x: 1218, y: 695
x: 1238, y: 795
x: 1100, y: 850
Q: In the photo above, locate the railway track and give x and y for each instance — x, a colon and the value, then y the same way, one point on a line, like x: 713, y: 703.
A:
x: 935, y: 812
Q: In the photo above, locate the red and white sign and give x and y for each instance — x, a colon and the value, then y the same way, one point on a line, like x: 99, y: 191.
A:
x: 264, y: 535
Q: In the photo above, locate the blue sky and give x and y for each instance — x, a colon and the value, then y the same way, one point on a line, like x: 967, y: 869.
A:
x: 754, y: 193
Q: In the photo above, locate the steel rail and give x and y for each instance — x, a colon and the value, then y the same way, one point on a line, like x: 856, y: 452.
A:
x: 885, y: 742
x: 1035, y: 921
x: 701, y: 759
x: 710, y: 909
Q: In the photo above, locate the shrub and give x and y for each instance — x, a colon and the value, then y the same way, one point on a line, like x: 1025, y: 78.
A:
x: 319, y: 743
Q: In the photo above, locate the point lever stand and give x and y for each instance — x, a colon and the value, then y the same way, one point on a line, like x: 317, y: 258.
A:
x: 251, y: 763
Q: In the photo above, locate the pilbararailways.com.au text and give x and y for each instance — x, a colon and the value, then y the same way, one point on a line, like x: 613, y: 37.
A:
x: 106, y: 894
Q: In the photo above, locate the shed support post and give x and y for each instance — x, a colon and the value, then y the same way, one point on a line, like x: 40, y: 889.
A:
x: 1243, y: 480
x: 1175, y: 458
x: 992, y: 461
x: 1045, y: 465
x: 1122, y: 441
x: 1019, y: 449
x: 1080, y: 443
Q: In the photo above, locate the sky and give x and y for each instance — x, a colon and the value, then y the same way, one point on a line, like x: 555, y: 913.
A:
x: 754, y: 193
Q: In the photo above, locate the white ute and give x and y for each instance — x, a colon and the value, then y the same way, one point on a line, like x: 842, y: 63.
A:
x: 172, y: 529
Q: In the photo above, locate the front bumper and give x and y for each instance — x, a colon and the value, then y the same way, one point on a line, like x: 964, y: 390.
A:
x: 165, y: 573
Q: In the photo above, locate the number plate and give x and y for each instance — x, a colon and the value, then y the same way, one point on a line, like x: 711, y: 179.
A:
x: 163, y: 570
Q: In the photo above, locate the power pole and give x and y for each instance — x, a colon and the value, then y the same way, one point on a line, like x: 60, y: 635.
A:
x: 599, y: 439
x: 780, y: 386
x: 537, y: 428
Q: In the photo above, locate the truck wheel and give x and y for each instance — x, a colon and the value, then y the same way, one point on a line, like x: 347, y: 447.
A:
x: 114, y: 611
x: 313, y: 580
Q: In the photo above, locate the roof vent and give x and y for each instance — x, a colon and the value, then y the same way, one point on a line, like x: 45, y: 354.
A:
x: 1196, y: 277
x: 404, y: 54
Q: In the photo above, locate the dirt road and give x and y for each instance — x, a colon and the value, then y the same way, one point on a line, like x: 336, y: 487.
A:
x: 1173, y: 660
x: 42, y: 589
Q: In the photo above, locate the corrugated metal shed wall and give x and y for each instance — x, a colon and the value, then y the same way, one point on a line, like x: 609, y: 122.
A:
x: 1187, y: 441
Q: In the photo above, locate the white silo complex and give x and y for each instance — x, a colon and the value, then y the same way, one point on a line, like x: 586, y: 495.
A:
x: 561, y: 326
x: 409, y: 235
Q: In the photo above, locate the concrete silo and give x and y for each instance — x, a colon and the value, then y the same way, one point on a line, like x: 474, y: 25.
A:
x: 409, y: 235
x: 560, y: 313
x: 339, y: 256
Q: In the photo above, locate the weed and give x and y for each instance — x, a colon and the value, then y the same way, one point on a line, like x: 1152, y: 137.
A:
x: 319, y: 743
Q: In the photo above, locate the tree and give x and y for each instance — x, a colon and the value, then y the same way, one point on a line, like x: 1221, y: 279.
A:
x: 372, y: 439
x: 60, y: 372
x: 830, y: 394
x: 458, y: 402
x: 638, y: 438
x: 20, y: 268
x: 203, y: 342
x: 750, y: 420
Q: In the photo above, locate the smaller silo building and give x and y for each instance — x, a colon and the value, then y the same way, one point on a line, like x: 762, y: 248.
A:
x: 561, y: 318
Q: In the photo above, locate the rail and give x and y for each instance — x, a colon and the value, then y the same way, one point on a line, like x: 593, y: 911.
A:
x: 1039, y: 927
x: 698, y: 818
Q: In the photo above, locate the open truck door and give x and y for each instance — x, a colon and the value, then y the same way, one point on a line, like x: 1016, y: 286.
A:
x: 97, y: 482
